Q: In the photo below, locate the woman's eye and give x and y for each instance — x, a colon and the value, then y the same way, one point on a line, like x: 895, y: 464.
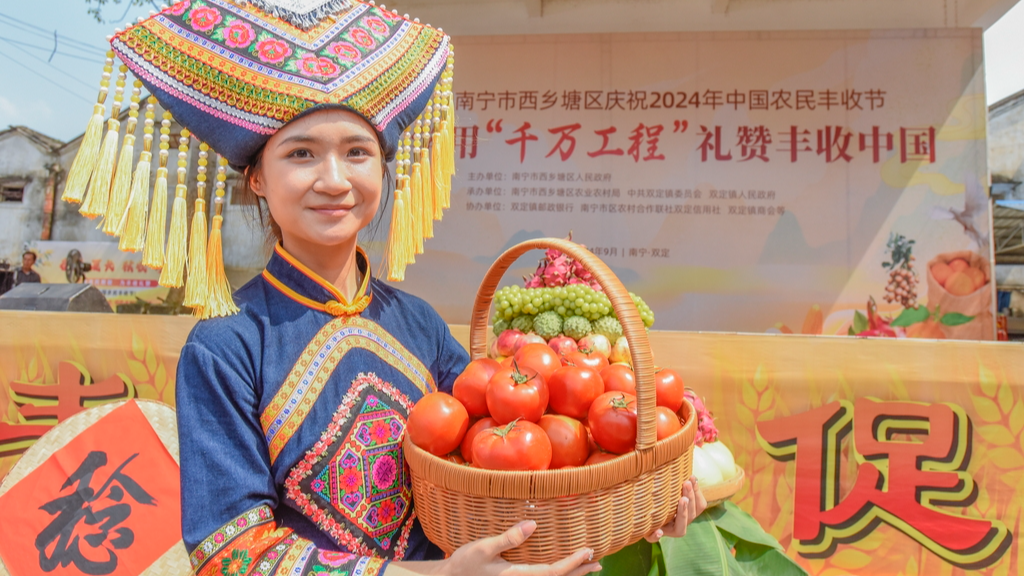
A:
x: 358, y: 152
x: 300, y: 153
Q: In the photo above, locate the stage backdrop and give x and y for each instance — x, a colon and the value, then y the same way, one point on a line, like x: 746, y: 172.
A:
x: 737, y: 181
x: 120, y: 276
x: 863, y: 456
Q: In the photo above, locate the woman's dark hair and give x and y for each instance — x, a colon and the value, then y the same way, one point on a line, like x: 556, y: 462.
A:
x: 261, y: 212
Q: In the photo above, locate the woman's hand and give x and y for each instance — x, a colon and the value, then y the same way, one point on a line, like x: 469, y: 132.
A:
x: 690, y: 506
x: 483, y: 558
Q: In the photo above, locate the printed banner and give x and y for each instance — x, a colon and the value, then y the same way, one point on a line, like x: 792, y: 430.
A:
x: 865, y: 456
x: 120, y: 276
x: 737, y: 181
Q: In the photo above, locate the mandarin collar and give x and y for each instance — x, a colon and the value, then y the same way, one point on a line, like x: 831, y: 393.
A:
x: 293, y: 279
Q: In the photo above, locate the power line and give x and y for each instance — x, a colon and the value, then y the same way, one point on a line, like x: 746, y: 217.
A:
x: 58, y: 85
x: 69, y: 55
x: 48, y: 34
x: 64, y: 73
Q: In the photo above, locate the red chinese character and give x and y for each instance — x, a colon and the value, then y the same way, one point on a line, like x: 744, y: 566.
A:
x: 141, y: 268
x: 97, y: 265
x: 917, y: 145
x: 467, y: 133
x: 833, y: 143
x: 605, y: 140
x: 876, y: 98
x: 524, y: 137
x: 70, y: 392
x: 797, y: 141
x: 128, y: 266
x: 898, y: 482
x: 109, y: 266
x: 753, y: 142
x: 651, y: 133
x: 876, y: 141
x: 566, y: 144
x: 707, y: 145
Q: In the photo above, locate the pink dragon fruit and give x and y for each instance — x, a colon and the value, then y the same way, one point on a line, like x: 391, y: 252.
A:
x: 706, y: 430
x: 556, y: 271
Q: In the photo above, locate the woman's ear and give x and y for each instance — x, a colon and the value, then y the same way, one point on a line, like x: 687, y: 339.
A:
x: 252, y: 175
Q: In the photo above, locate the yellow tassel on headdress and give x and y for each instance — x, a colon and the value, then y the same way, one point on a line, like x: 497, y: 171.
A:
x: 196, y: 288
x: 177, y: 240
x: 400, y: 248
x: 120, y: 190
x: 88, y: 153
x: 220, y: 302
x: 95, y: 203
x: 421, y: 179
x: 133, y: 226
x: 156, y: 231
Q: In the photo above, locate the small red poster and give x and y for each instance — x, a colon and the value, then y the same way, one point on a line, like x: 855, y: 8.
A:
x: 107, y: 503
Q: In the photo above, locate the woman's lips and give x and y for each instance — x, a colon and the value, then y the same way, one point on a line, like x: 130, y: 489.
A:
x: 331, y: 210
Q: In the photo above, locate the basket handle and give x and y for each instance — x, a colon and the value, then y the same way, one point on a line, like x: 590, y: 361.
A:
x: 625, y: 309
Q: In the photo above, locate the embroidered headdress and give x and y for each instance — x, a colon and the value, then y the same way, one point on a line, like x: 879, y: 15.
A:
x: 232, y: 73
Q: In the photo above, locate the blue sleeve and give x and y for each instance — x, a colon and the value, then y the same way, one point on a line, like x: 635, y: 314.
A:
x: 451, y: 359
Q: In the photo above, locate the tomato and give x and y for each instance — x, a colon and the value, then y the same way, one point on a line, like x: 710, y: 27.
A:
x: 471, y: 386
x: 520, y: 445
x: 600, y: 456
x: 569, y: 444
x: 572, y: 390
x: 437, y: 423
x: 506, y: 362
x: 619, y: 377
x: 612, y: 421
x: 478, y: 427
x: 455, y: 458
x: 586, y: 357
x: 670, y: 389
x: 517, y: 392
x: 540, y: 357
x: 668, y: 422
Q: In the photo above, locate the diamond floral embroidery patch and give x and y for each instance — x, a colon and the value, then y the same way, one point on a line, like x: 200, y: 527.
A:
x: 354, y: 481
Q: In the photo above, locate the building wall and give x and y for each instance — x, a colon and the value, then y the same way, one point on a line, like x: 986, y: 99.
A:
x: 1006, y: 140
x: 20, y: 222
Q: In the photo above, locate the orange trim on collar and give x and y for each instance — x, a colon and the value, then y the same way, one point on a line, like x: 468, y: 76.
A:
x: 339, y: 307
x: 324, y: 283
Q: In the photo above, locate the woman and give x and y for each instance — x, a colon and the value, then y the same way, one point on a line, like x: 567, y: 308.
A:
x: 292, y: 411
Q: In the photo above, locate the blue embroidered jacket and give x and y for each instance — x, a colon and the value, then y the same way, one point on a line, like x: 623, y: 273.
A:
x: 291, y: 416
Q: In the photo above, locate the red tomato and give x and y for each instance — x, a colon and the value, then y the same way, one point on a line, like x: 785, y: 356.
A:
x: 670, y: 389
x: 620, y: 378
x: 540, y: 357
x: 518, y: 446
x: 517, y: 392
x: 478, y: 427
x: 586, y: 357
x: 507, y: 362
x: 668, y: 422
x: 612, y: 421
x: 569, y: 445
x: 437, y: 423
x: 573, y: 389
x: 471, y: 386
x: 600, y: 456
x: 455, y: 458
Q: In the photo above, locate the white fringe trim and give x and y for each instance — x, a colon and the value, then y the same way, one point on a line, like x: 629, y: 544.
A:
x: 304, y: 14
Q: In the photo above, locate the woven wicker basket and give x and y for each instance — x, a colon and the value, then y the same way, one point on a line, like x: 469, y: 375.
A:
x: 604, y: 507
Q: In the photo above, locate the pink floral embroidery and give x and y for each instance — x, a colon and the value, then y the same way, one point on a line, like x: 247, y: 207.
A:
x: 204, y: 18
x: 273, y: 51
x: 345, y: 51
x: 239, y: 34
x: 334, y: 559
x: 362, y: 37
x: 312, y: 65
x: 376, y: 25
x: 179, y: 8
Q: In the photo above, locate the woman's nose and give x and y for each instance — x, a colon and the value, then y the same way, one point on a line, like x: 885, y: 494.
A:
x: 333, y: 177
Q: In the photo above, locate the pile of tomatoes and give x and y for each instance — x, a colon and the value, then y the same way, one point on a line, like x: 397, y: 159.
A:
x: 540, y: 411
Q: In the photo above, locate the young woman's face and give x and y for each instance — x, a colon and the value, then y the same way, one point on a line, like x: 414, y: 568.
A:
x: 322, y: 176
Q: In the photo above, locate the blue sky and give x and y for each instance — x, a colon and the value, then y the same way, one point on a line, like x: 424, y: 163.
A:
x: 55, y: 96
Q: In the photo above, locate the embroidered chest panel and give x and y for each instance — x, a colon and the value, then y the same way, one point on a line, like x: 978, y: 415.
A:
x: 354, y: 483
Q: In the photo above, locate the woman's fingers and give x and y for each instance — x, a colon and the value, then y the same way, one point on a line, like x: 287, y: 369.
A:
x: 493, y: 547
x: 577, y: 563
x: 698, y: 496
x: 657, y: 535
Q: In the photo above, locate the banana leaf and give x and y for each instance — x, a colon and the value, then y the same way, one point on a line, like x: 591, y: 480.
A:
x: 722, y: 540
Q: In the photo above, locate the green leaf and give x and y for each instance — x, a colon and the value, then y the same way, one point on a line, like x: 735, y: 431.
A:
x: 635, y: 560
x: 850, y: 332
x: 860, y: 322
x: 911, y: 316
x: 730, y: 518
x: 702, y: 552
x: 955, y: 319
